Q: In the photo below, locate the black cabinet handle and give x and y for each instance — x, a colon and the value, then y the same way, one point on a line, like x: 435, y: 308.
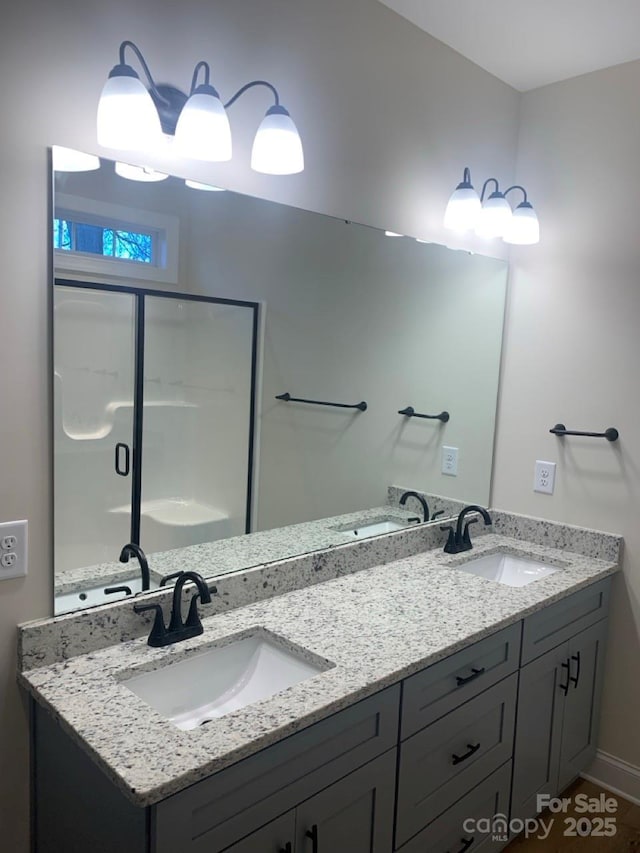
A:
x: 466, y: 844
x: 313, y: 835
x: 575, y: 679
x: 286, y: 848
x: 474, y: 674
x: 122, y: 470
x: 456, y: 759
x: 565, y: 687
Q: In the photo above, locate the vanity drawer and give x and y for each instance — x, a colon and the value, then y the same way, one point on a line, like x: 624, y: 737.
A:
x: 558, y: 622
x: 216, y: 812
x: 450, y: 832
x: 438, y: 689
x: 443, y: 762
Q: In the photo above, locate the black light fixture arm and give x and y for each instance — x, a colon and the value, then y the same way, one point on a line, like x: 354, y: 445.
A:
x: 251, y: 85
x: 518, y: 187
x: 484, y: 187
x: 196, y: 71
x: 152, y: 83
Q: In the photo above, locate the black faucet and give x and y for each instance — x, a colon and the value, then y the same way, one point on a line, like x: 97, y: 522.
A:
x: 425, y: 506
x: 460, y: 540
x: 178, y: 630
x: 133, y: 550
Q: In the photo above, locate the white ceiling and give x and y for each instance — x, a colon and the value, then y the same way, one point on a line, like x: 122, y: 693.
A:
x: 530, y: 43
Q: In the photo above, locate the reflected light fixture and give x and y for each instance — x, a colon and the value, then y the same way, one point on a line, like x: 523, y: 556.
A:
x: 493, y: 217
x: 392, y: 234
x: 197, y: 185
x: 70, y: 160
x: 139, y: 173
x: 134, y: 116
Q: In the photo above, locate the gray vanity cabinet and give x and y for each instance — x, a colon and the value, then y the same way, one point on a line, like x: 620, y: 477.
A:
x: 275, y: 837
x: 558, y: 712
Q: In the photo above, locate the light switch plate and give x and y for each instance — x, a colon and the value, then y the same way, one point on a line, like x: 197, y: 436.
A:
x: 450, y: 461
x: 13, y: 549
x: 545, y: 477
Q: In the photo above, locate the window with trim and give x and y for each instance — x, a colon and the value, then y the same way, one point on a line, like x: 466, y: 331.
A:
x: 99, y: 239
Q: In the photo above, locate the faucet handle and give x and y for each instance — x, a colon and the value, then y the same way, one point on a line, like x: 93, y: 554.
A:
x: 158, y: 634
x: 450, y: 547
x: 165, y: 578
x: 193, y: 617
x: 436, y: 514
x: 466, y: 538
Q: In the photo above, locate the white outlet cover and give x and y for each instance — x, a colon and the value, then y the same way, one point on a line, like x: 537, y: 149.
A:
x: 450, y: 461
x: 13, y: 549
x: 544, y: 479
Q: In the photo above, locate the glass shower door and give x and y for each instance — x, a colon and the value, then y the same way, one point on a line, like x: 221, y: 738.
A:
x: 197, y: 421
x: 94, y: 370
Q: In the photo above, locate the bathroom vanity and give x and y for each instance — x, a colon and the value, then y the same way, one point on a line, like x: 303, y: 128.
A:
x: 440, y: 697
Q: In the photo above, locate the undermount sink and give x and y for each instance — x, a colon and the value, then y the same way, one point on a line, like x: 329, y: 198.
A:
x: 222, y: 679
x: 373, y: 528
x: 508, y: 569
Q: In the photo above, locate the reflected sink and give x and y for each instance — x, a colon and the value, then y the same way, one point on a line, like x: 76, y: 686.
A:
x: 387, y: 525
x: 508, y: 569
x: 222, y: 679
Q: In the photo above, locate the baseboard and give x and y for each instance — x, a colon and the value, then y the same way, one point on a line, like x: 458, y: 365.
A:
x: 615, y: 775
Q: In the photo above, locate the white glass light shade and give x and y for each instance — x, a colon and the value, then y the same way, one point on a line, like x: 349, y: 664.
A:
x: 203, y: 131
x: 463, y: 208
x: 196, y: 185
x: 70, y: 160
x: 524, y: 228
x: 392, y: 234
x: 277, y: 148
x: 494, y: 217
x: 127, y: 116
x: 139, y: 173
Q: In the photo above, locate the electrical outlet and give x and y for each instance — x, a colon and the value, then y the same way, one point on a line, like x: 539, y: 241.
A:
x: 545, y: 477
x: 450, y: 461
x: 13, y: 549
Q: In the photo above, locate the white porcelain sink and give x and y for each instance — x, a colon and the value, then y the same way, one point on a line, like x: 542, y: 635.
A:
x: 508, y: 569
x: 222, y: 679
x: 387, y: 525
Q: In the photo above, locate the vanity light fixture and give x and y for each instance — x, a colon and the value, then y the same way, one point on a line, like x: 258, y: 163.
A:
x: 493, y: 217
x: 134, y: 117
x: 392, y: 234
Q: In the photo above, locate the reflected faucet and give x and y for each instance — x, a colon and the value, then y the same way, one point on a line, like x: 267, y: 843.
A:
x: 460, y: 540
x: 133, y: 550
x: 178, y: 630
x: 425, y: 506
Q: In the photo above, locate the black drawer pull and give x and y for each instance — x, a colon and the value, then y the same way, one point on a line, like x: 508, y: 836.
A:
x: 466, y: 844
x: 574, y: 679
x: 120, y: 469
x: 313, y: 835
x: 286, y: 849
x: 456, y: 759
x: 565, y: 687
x: 474, y: 674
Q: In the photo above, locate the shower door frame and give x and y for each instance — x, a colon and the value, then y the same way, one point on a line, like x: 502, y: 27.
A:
x: 139, y: 294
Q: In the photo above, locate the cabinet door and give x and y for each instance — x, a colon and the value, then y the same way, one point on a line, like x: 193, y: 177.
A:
x: 275, y: 837
x: 354, y: 814
x: 582, y: 704
x: 538, y: 734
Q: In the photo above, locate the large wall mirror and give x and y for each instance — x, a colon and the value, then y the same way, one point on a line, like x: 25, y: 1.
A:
x: 184, y: 314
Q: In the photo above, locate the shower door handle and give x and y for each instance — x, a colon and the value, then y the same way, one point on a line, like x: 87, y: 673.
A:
x: 123, y: 470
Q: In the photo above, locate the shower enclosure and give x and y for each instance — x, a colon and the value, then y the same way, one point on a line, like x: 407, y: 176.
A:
x: 154, y: 410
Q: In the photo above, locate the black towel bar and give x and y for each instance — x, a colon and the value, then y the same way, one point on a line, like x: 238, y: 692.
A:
x: 410, y: 412
x: 289, y: 399
x: 611, y: 434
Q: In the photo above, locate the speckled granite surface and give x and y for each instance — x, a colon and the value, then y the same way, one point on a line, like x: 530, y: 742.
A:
x: 375, y: 626
x: 213, y: 559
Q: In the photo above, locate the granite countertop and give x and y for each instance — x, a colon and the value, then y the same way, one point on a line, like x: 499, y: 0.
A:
x: 373, y: 628
x: 228, y: 555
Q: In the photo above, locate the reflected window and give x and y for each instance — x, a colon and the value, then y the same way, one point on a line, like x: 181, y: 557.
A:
x: 108, y: 242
